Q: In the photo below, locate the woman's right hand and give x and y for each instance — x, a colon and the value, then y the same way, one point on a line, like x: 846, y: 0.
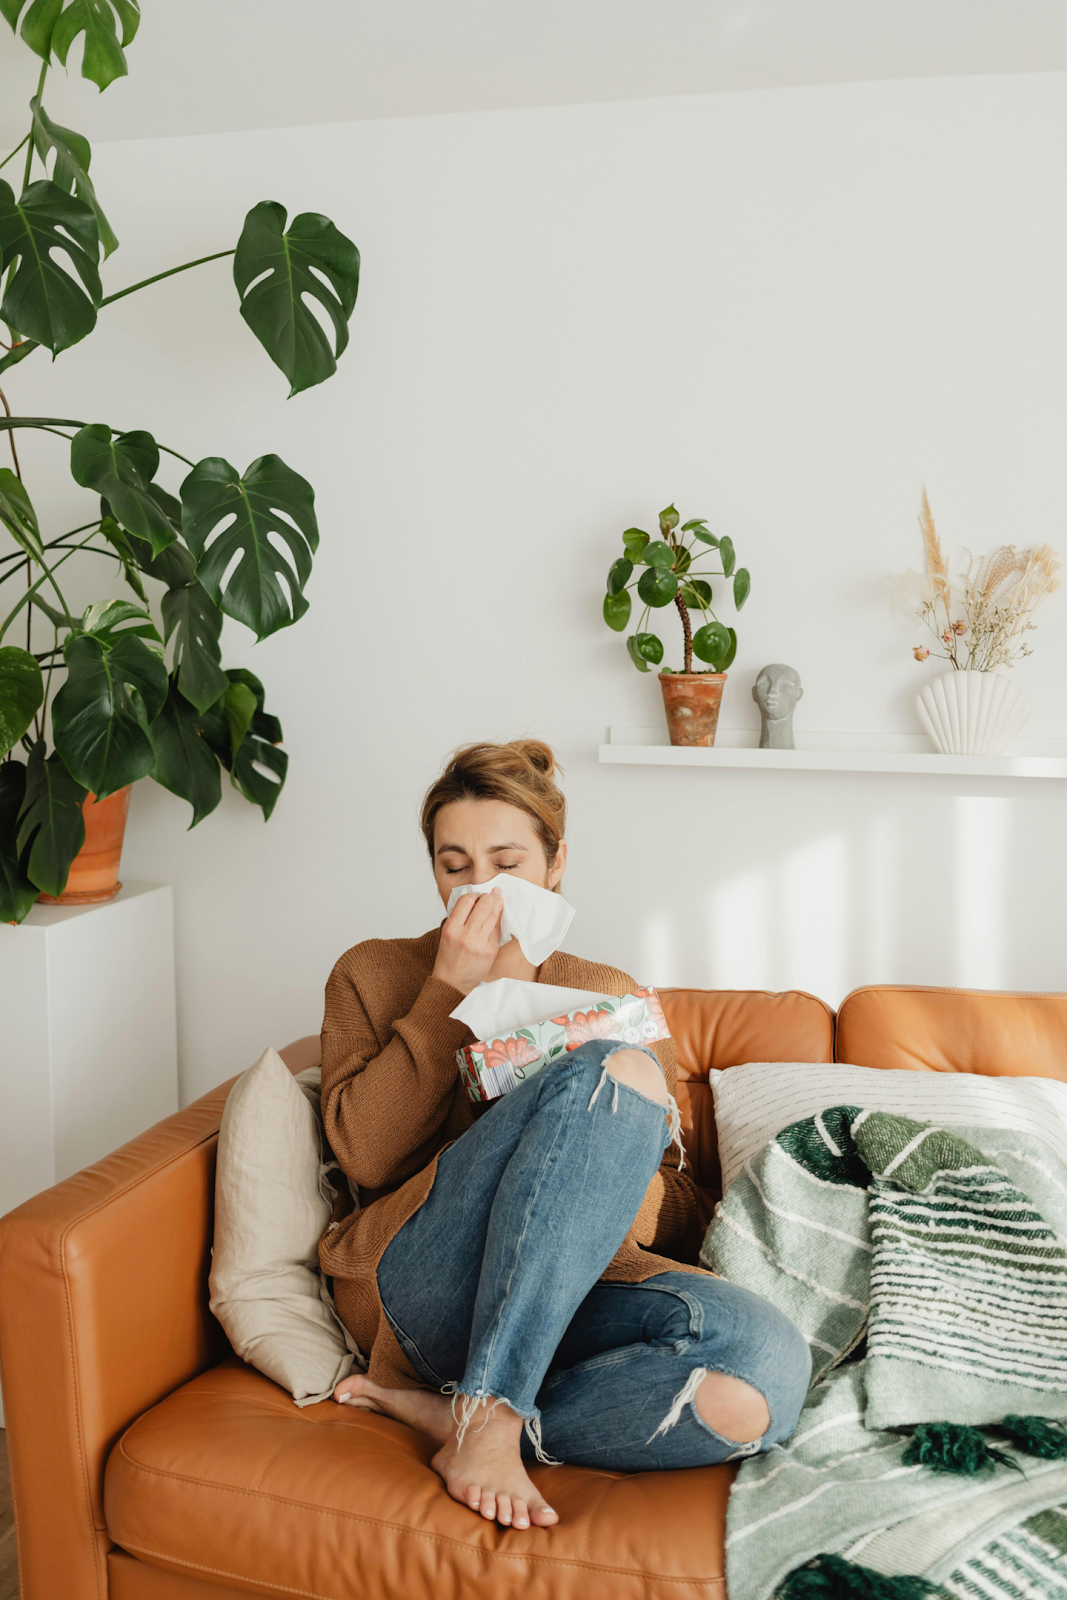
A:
x: 470, y: 940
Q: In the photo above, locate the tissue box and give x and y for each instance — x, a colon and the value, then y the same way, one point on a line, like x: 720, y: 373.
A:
x: 492, y: 1067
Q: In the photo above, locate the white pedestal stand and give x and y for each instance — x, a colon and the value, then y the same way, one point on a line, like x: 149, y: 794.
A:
x: 88, y: 1044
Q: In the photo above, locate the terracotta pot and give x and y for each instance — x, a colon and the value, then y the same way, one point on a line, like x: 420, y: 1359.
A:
x: 691, y: 701
x: 94, y: 872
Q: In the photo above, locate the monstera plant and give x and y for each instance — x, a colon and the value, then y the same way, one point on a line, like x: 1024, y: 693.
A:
x: 134, y: 685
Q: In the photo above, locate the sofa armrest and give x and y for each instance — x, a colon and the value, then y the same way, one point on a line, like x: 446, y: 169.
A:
x: 103, y: 1312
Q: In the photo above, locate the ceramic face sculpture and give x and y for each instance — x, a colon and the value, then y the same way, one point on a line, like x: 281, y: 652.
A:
x: 776, y: 692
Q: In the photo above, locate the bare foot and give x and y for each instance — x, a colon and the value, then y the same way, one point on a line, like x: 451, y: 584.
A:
x: 420, y: 1408
x: 486, y: 1472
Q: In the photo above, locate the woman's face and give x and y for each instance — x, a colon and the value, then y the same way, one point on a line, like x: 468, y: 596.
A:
x: 476, y: 839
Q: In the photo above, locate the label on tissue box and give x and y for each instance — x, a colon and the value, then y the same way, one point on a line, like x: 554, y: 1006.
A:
x: 492, y: 1067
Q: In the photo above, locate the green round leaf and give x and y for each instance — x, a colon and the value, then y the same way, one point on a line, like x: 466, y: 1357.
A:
x: 708, y: 538
x: 658, y: 554
x: 617, y: 610
x: 620, y: 574
x: 726, y: 553
x: 634, y: 541
x: 711, y: 642
x: 695, y: 592
x: 21, y: 692
x: 742, y: 584
x: 668, y: 518
x: 649, y: 647
x: 727, y: 660
x: 658, y: 586
x: 635, y: 655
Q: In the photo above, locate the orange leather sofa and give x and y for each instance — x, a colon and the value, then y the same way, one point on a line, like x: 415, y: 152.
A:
x: 148, y: 1463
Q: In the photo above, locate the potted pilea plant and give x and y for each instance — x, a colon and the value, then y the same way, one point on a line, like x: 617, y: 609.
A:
x: 95, y: 701
x: 691, y: 699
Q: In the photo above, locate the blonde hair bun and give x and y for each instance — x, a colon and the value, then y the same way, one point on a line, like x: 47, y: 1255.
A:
x: 521, y: 773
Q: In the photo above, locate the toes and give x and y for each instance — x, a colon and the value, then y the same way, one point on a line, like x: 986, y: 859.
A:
x: 520, y: 1516
x: 488, y: 1505
x: 543, y: 1516
x: 472, y: 1494
x: 503, y: 1509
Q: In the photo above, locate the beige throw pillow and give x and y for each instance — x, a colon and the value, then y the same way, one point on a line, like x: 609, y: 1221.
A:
x: 272, y: 1202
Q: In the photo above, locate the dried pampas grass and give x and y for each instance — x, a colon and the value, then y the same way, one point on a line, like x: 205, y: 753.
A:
x: 979, y: 620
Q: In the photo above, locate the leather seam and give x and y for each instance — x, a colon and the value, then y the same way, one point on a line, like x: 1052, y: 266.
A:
x: 381, y: 1522
x: 283, y: 1588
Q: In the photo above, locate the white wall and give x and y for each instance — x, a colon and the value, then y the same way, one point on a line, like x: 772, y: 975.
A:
x: 787, y: 311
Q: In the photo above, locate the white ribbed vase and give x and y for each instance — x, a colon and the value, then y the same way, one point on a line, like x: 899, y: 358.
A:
x: 972, y: 713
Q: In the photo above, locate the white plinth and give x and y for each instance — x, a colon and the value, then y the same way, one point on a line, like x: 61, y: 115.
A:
x: 88, y: 1046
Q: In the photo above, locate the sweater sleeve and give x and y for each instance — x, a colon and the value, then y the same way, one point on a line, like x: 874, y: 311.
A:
x: 665, y: 1220
x: 384, y: 1106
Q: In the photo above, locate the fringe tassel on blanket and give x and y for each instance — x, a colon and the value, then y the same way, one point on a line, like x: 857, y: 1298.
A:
x: 1038, y: 1436
x: 830, y: 1577
x: 954, y: 1447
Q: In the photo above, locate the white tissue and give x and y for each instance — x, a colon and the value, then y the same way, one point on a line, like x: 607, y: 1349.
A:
x: 537, y: 918
x: 494, y: 1009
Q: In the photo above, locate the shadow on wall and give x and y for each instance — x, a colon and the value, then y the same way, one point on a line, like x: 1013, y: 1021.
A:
x: 849, y: 907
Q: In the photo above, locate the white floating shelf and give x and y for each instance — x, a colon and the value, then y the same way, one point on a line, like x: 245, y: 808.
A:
x: 834, y: 752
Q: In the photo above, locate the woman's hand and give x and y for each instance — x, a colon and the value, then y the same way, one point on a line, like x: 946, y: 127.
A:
x: 470, y: 940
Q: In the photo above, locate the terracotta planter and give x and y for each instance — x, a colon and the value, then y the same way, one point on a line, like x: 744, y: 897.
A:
x: 691, y: 701
x: 94, y: 872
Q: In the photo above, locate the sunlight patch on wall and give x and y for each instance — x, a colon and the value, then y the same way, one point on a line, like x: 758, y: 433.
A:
x: 658, y: 953
x: 815, y: 918
x: 739, y: 941
x: 980, y: 901
x: 878, y: 918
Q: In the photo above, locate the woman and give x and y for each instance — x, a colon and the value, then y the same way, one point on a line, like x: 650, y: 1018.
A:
x: 514, y: 1275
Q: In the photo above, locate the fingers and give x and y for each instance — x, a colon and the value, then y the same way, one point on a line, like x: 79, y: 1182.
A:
x: 488, y: 910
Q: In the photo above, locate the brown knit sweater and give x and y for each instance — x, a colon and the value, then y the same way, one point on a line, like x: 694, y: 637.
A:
x: 392, y: 1100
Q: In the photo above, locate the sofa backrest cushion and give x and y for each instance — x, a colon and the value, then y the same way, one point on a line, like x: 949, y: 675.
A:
x: 724, y: 1028
x: 955, y: 1030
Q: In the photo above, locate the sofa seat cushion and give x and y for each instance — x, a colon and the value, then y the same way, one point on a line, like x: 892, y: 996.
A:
x: 229, y: 1482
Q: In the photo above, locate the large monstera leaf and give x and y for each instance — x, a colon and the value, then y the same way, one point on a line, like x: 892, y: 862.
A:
x: 21, y: 693
x: 17, y: 893
x: 71, y: 169
x: 184, y: 761
x: 195, y: 621
x: 18, y: 516
x: 108, y: 25
x: 42, y: 300
x: 100, y: 716
x: 274, y: 271
x: 270, y: 499
x: 51, y: 824
x: 121, y: 468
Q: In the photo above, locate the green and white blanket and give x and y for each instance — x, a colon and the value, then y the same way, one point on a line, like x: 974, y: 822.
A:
x: 945, y: 1251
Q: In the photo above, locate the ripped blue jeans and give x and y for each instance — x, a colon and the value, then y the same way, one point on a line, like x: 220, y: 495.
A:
x: 492, y: 1288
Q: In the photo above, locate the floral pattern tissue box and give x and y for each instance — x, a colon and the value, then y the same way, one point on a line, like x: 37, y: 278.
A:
x: 492, y: 1067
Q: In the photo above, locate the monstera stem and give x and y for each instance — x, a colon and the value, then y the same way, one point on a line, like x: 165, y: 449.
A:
x: 199, y: 262
x: 683, y: 612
